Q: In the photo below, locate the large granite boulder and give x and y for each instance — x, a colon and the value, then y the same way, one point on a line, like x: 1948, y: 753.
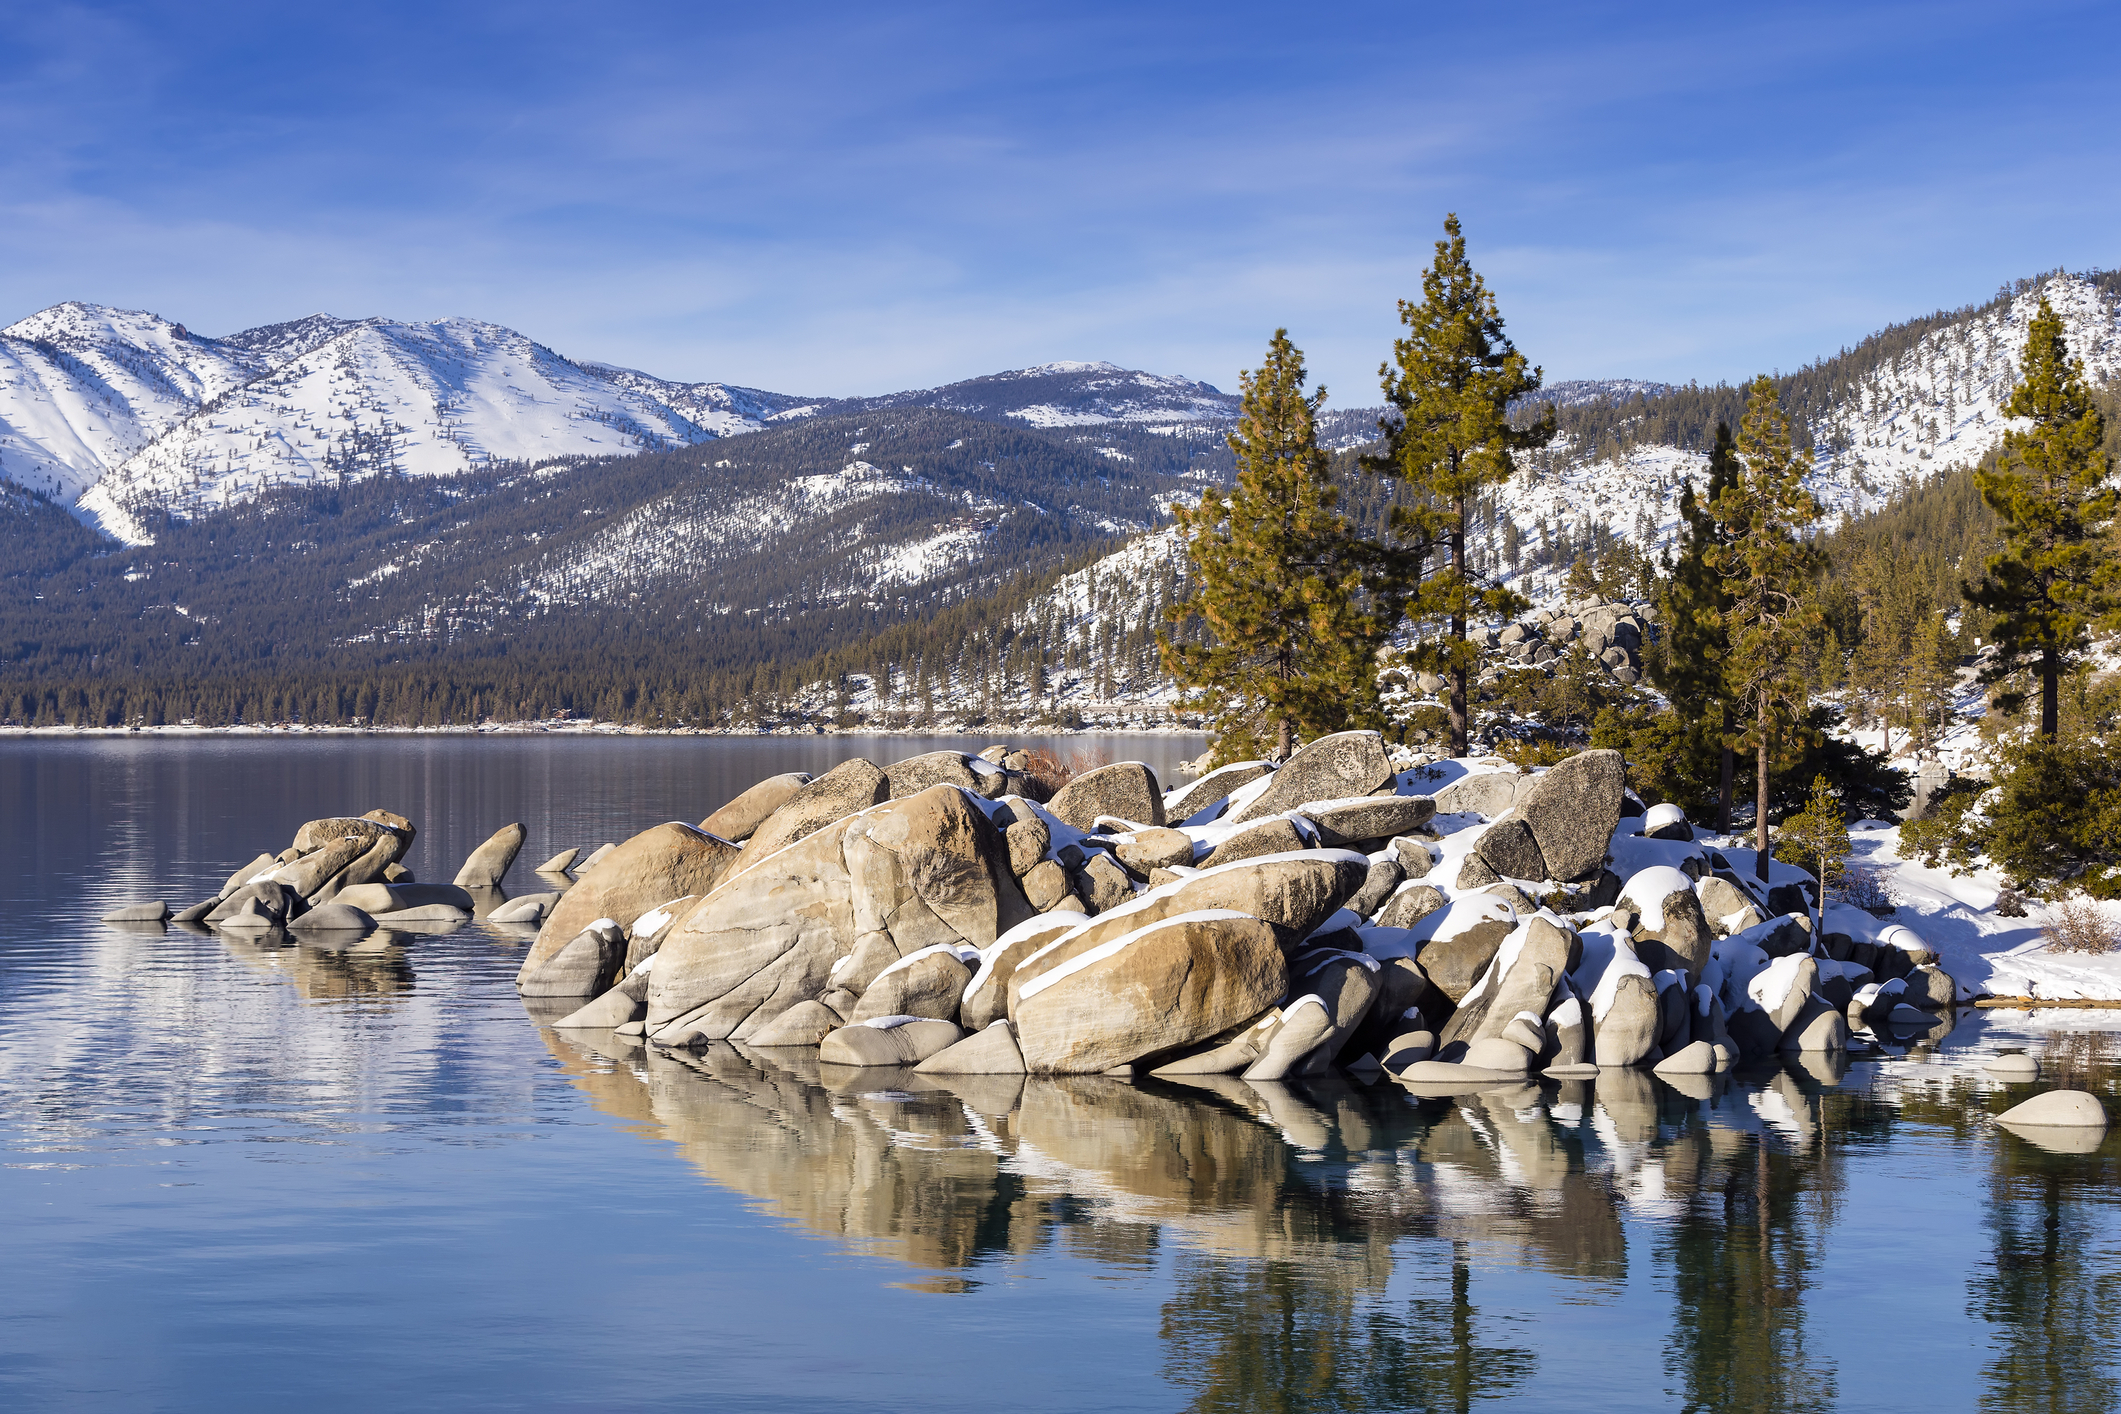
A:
x: 1265, y: 838
x: 1343, y: 986
x: 367, y: 828
x: 1335, y: 767
x: 1507, y: 847
x: 1409, y: 905
x: 834, y: 910
x: 1213, y: 788
x: 1385, y: 875
x: 992, y: 1050
x: 1489, y: 794
x: 986, y: 996
x: 930, y: 983
x: 1166, y: 985
x: 851, y: 786
x: 1573, y: 810
x: 584, y: 966
x: 1464, y: 942
x: 1520, y: 978
x: 935, y: 768
x: 737, y: 820
x: 308, y: 875
x: 1148, y: 850
x: 1376, y: 818
x: 1126, y: 790
x: 888, y: 1040
x: 661, y: 863
x: 381, y: 899
x: 489, y: 862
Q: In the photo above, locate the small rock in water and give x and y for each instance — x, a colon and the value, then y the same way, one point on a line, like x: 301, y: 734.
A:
x: 138, y: 913
x: 560, y: 862
x: 334, y: 917
x: 2057, y: 1109
x: 2017, y: 1066
x: 489, y: 862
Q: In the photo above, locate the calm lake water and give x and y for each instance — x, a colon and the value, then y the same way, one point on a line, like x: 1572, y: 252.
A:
x: 258, y: 1175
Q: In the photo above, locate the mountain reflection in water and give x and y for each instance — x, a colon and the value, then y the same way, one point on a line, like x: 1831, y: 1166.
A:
x: 1325, y: 1235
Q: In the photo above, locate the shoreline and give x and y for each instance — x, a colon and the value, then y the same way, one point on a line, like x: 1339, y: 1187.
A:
x: 597, y: 729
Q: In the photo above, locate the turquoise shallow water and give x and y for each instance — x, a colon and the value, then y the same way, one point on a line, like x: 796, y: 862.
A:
x: 240, y: 1175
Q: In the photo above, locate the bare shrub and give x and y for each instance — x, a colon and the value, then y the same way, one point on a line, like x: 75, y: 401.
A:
x: 2079, y: 924
x: 1867, y: 889
x: 1048, y: 769
x: 1085, y: 759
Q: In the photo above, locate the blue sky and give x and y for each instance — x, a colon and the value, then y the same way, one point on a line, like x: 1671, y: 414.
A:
x: 846, y: 199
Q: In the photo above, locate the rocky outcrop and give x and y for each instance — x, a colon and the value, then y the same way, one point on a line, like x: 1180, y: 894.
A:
x: 851, y: 786
x: 1330, y: 768
x: 655, y: 866
x: 1160, y: 987
x: 490, y: 861
x: 1125, y: 790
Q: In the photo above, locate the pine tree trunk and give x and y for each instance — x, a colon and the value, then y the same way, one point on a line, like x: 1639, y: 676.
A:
x: 1459, y: 745
x: 1760, y: 835
x: 1730, y: 772
x: 1284, y: 739
x: 2050, y: 692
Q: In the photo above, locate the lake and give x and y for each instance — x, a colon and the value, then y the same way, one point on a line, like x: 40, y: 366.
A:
x: 241, y: 1174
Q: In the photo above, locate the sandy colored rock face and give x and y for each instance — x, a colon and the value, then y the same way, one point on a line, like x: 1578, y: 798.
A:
x: 906, y: 1044
x: 659, y: 864
x: 1126, y: 789
x: 2061, y: 1109
x: 490, y: 861
x: 989, y: 1051
x: 1489, y: 794
x: 1154, y: 849
x: 1624, y: 1035
x: 1385, y: 875
x: 851, y: 786
x: 1167, y: 985
x: 318, y: 833
x: 930, y: 985
x: 1331, y: 768
x: 989, y: 1003
x: 1375, y: 819
x: 1273, y: 837
x: 886, y: 883
x: 1102, y: 884
x: 935, y: 768
x: 308, y: 875
x: 1543, y: 954
x: 737, y: 820
x: 1215, y: 786
x: 1455, y: 963
x: 1407, y: 907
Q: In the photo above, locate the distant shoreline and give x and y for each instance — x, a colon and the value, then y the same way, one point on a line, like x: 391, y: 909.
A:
x: 584, y: 729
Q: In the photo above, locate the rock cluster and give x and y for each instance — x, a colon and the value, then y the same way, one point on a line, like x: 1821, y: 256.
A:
x: 342, y: 875
x: 1454, y: 923
x: 1612, y: 632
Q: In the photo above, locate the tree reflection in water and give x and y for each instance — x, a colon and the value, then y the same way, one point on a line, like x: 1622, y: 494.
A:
x: 1329, y: 1242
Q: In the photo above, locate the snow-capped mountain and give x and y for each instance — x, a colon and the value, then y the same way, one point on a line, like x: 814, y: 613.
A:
x: 1889, y: 421
x: 1068, y: 395
x: 123, y: 412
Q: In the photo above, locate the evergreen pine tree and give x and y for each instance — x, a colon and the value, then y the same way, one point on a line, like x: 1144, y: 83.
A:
x: 1766, y: 568
x: 1290, y: 643
x: 1817, y: 838
x: 2049, y: 490
x: 1688, y: 669
x: 1456, y: 373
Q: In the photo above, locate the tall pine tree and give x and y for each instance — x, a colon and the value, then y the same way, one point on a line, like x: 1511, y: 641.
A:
x: 1290, y: 638
x: 1766, y: 568
x: 2049, y: 491
x: 1688, y: 667
x: 1451, y: 382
